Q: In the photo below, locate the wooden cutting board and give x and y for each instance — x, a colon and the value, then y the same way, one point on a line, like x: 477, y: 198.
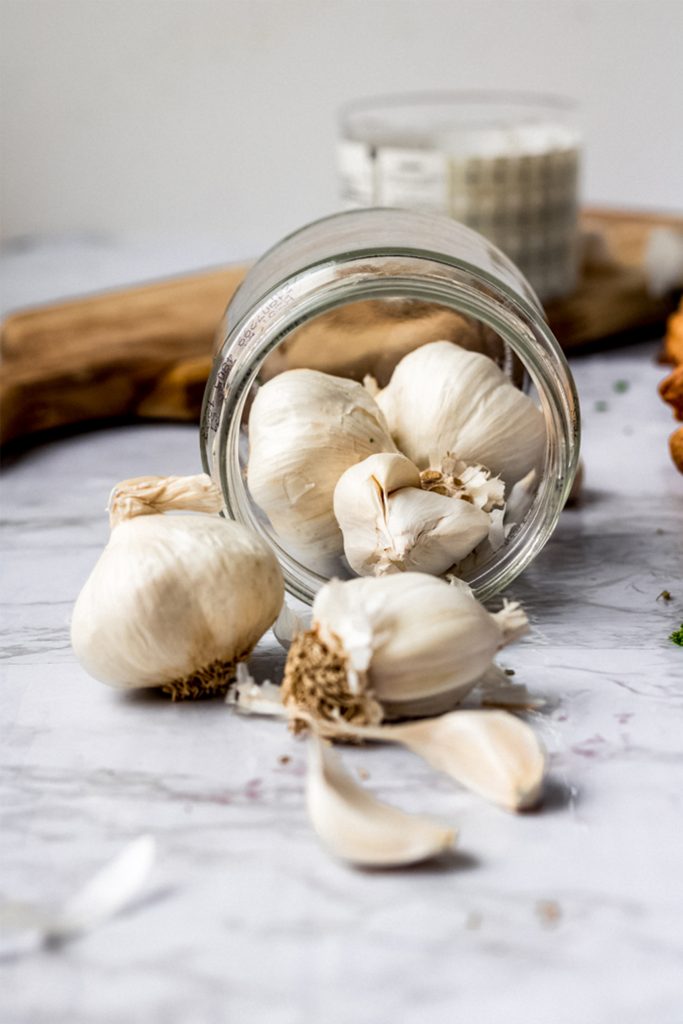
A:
x: 146, y: 352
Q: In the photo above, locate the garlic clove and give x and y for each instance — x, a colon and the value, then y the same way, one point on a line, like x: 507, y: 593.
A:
x: 388, y: 645
x: 493, y: 753
x: 390, y: 525
x: 442, y: 398
x: 356, y: 827
x: 305, y: 429
x: 174, y: 601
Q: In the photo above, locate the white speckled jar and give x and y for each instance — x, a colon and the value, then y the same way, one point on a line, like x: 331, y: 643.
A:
x: 505, y: 164
x: 398, y: 262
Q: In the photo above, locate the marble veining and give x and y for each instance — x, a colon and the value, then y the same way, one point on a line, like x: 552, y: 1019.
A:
x: 573, y: 913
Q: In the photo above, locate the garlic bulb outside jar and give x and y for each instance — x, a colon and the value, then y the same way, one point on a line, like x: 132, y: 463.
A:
x: 406, y: 262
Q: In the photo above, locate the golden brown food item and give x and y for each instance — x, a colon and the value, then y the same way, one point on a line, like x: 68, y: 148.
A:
x: 676, y: 448
x: 673, y: 341
x: 671, y: 388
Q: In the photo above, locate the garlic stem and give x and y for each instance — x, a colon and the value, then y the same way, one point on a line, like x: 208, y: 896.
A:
x: 148, y: 495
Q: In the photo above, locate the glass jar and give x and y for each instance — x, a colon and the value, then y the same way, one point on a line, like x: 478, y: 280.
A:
x: 349, y: 295
x: 505, y: 164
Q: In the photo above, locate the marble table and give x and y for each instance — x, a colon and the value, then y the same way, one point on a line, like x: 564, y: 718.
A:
x: 573, y: 913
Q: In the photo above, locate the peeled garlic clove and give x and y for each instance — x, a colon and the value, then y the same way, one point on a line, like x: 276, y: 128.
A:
x: 390, y: 525
x: 174, y: 601
x: 393, y: 645
x: 492, y: 753
x: 358, y: 828
x: 305, y: 429
x: 442, y: 398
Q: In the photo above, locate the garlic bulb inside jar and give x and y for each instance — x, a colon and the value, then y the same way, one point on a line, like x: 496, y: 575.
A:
x: 390, y: 524
x: 393, y: 645
x: 174, y: 601
x: 305, y: 429
x: 444, y: 399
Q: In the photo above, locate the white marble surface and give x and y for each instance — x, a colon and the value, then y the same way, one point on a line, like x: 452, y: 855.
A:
x: 574, y: 913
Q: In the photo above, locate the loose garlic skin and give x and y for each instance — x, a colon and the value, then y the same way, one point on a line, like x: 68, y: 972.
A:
x: 400, y: 644
x: 305, y: 429
x: 442, y: 398
x: 391, y: 525
x: 174, y: 601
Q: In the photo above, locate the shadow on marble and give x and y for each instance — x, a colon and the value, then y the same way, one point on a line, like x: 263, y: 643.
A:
x: 447, y: 862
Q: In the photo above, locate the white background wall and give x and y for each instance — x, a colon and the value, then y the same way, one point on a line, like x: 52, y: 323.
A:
x: 216, y: 118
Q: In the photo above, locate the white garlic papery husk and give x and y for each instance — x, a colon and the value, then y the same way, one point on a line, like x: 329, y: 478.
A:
x: 442, y: 398
x: 305, y: 429
x: 356, y: 827
x: 391, y: 525
x: 174, y: 601
x: 396, y: 645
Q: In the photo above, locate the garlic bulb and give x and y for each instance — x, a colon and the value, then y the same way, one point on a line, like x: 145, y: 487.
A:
x: 174, y: 601
x: 391, y: 525
x: 355, y: 826
x: 305, y: 429
x: 401, y: 644
x: 442, y: 398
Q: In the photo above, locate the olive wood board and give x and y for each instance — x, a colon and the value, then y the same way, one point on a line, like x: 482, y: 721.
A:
x: 145, y: 352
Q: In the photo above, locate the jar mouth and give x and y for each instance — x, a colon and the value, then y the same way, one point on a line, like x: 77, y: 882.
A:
x: 414, y: 275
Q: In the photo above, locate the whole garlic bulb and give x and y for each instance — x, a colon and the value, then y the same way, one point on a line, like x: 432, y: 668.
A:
x: 391, y: 525
x: 442, y: 398
x: 305, y: 429
x: 174, y: 601
x: 403, y: 644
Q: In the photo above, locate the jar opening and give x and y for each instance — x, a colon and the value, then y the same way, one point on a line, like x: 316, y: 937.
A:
x: 315, y: 382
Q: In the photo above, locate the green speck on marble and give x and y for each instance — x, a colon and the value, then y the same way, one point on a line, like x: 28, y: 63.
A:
x: 601, y: 405
x: 620, y: 386
x: 677, y: 636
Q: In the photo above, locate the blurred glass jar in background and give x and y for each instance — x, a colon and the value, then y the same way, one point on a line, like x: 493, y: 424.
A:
x: 506, y: 165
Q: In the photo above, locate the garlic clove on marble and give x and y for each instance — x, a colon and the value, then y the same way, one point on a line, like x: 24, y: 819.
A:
x: 174, y: 602
x: 305, y: 429
x: 390, y: 524
x: 393, y: 645
x: 442, y: 398
x: 492, y: 753
x: 356, y: 827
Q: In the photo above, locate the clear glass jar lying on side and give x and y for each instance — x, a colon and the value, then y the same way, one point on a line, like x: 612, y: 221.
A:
x: 352, y: 296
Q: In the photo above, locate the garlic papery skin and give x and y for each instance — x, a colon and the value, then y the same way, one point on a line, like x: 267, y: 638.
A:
x: 391, y: 525
x: 393, y: 645
x: 305, y: 429
x: 174, y: 601
x: 356, y: 827
x: 442, y: 398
